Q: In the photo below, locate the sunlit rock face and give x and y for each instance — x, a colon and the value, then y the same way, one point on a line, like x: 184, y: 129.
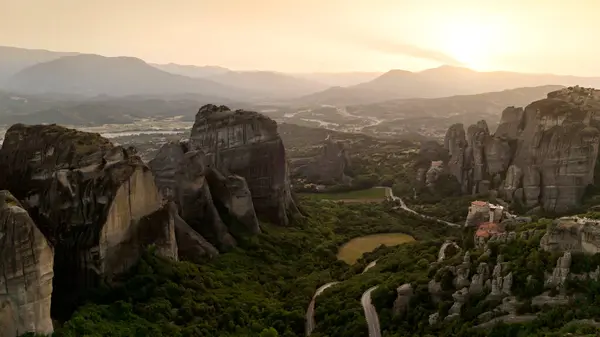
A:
x: 247, y: 144
x: 89, y: 198
x: 26, y: 271
x: 543, y: 155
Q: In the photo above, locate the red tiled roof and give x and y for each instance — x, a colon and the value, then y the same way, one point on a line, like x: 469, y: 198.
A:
x: 482, y: 233
x: 479, y: 203
x: 487, y: 229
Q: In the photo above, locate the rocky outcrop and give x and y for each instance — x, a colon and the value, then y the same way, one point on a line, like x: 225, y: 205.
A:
x: 164, y: 166
x: 247, y: 144
x: 233, y: 196
x: 455, y: 142
x: 26, y: 271
x: 92, y: 201
x: 448, y: 250
x: 404, y: 295
x: 328, y: 167
x: 543, y: 155
x: 191, y: 245
x: 182, y: 178
x: 196, y: 204
x: 560, y: 273
x: 572, y: 234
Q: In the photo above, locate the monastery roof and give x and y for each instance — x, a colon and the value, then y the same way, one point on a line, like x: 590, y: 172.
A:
x: 479, y: 203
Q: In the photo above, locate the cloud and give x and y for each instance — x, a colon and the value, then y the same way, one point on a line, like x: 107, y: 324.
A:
x: 391, y: 47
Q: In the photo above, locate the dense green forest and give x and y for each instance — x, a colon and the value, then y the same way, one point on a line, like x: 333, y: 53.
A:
x: 261, y: 288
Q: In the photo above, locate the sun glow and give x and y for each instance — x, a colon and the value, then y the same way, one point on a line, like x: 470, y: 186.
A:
x: 471, y: 42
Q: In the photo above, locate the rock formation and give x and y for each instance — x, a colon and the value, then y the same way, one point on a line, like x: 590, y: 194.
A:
x: 96, y: 203
x: 196, y: 204
x: 247, y: 144
x: 99, y: 206
x: 26, y: 271
x: 543, y: 155
x: 572, y: 234
x: 233, y: 196
x: 404, y: 295
x: 328, y: 167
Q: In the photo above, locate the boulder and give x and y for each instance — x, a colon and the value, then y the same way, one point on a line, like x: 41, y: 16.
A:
x: 26, y: 271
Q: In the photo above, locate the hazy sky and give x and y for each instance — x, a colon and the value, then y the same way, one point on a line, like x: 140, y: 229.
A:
x: 551, y: 36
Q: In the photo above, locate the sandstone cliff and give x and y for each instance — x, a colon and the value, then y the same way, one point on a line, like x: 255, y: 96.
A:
x: 26, y: 271
x: 90, y: 199
x: 542, y: 155
x: 247, y: 144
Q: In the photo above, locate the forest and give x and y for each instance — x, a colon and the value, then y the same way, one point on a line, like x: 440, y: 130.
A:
x: 261, y: 288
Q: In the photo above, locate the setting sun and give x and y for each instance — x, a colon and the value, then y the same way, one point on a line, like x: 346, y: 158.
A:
x: 472, y: 42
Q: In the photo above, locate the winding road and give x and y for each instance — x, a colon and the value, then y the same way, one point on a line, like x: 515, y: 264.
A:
x: 371, y: 315
x: 310, y: 312
x: 389, y: 194
x: 370, y: 265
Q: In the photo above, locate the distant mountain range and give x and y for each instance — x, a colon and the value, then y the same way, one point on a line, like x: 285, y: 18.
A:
x: 13, y: 60
x: 28, y: 71
x: 437, y: 82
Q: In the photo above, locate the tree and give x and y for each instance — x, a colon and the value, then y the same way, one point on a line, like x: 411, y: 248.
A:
x: 270, y: 332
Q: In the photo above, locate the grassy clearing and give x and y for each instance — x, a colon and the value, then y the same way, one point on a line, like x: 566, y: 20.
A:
x: 371, y: 194
x: 352, y: 250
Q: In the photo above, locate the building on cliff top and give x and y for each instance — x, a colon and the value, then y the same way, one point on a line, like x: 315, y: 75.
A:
x: 482, y: 212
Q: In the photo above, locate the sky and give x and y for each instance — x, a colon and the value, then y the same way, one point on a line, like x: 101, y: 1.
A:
x: 537, y: 36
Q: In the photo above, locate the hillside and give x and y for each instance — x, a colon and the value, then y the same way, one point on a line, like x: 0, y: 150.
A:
x: 13, y: 60
x: 273, y: 84
x: 417, y: 117
x: 117, y: 76
x: 437, y: 82
x: 86, y: 111
x: 191, y: 70
x: 339, y: 79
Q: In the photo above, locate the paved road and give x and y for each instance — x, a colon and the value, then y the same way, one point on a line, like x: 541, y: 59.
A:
x: 310, y: 312
x: 371, y: 313
x: 390, y: 194
x: 370, y: 265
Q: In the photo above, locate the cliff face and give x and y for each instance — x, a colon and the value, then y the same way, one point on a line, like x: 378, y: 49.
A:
x: 573, y: 235
x: 328, y: 167
x: 26, y: 264
x: 542, y: 155
x: 247, y: 144
x: 89, y: 198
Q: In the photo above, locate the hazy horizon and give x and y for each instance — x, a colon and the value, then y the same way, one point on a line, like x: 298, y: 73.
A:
x: 316, y: 36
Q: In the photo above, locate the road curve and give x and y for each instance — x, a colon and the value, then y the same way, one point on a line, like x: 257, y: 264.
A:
x: 310, y: 312
x: 390, y: 194
x: 369, y: 266
x: 370, y: 313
